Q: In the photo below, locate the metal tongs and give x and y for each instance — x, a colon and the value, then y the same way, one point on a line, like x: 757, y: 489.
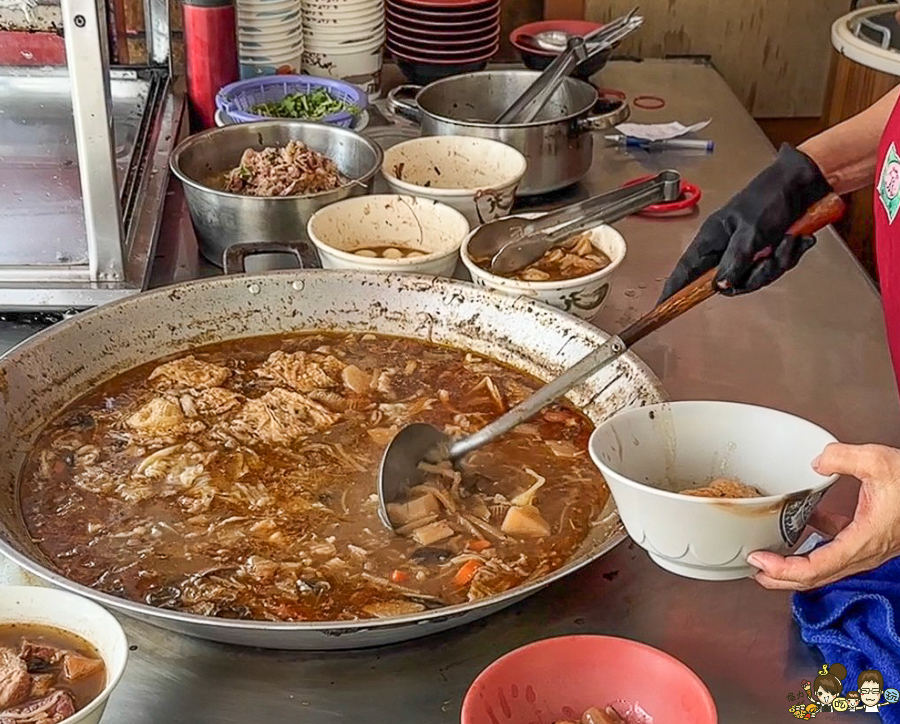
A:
x: 513, y: 244
x: 579, y: 49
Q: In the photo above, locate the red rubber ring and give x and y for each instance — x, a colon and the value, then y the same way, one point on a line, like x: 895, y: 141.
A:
x: 649, y: 103
x: 611, y: 93
x: 689, y: 198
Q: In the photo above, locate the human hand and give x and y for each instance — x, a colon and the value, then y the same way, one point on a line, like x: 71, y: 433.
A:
x: 861, y: 544
x: 746, y: 237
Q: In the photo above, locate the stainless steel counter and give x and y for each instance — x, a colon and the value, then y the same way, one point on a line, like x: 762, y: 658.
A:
x: 813, y: 344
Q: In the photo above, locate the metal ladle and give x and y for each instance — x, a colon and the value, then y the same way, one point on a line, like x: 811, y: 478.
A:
x: 419, y: 441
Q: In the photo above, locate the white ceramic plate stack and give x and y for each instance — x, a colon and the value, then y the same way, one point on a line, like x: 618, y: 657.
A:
x: 270, y: 37
x: 344, y: 39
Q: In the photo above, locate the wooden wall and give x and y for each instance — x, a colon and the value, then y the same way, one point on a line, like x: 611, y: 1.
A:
x: 775, y: 54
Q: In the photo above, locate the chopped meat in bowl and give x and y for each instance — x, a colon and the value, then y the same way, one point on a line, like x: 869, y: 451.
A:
x: 60, y: 657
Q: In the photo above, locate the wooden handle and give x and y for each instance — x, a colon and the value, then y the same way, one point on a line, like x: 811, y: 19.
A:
x: 818, y: 216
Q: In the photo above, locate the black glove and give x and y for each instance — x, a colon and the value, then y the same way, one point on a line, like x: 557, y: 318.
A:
x: 746, y: 237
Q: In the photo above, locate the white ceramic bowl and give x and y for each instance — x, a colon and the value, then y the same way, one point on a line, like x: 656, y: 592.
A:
x: 319, y: 44
x: 363, y: 33
x: 251, y: 25
x: 647, y: 452
x: 389, y: 220
x: 581, y: 296
x: 362, y: 67
x: 336, y: 17
x: 476, y: 176
x: 84, y: 618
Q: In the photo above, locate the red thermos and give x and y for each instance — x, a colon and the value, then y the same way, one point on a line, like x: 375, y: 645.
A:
x: 211, y: 57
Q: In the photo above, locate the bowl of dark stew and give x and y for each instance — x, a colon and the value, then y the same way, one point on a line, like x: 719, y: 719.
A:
x: 60, y: 657
x: 574, y: 276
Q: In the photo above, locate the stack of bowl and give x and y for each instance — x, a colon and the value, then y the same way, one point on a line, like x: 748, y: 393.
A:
x: 270, y: 37
x: 344, y: 39
x: 433, y: 39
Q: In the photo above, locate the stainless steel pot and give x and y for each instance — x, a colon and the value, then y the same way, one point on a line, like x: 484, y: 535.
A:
x: 558, y: 144
x: 40, y: 377
x: 221, y: 219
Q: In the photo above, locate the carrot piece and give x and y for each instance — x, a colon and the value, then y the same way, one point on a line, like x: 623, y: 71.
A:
x: 466, y: 572
x: 399, y: 576
x: 478, y: 545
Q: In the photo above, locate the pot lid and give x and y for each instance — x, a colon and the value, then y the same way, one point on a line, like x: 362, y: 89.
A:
x: 870, y: 37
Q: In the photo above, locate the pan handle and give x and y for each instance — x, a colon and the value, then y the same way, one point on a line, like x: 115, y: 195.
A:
x: 604, y: 121
x: 398, y: 104
x: 235, y: 258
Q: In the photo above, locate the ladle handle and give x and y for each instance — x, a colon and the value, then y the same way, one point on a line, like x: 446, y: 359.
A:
x: 818, y: 216
x: 825, y: 212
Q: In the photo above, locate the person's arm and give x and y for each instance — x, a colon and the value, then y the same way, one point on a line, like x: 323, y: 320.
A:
x: 746, y: 238
x: 846, y: 153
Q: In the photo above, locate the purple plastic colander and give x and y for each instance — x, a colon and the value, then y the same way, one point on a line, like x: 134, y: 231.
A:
x: 236, y: 99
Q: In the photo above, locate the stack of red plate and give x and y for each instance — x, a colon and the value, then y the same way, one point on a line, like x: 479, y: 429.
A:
x: 432, y: 39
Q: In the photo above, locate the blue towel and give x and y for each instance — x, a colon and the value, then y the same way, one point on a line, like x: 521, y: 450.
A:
x: 854, y: 622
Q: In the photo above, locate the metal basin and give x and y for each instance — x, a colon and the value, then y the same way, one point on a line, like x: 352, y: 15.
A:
x: 40, y: 377
x: 558, y: 144
x: 221, y: 219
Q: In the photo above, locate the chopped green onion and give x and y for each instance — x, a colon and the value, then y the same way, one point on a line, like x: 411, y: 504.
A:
x: 310, y: 106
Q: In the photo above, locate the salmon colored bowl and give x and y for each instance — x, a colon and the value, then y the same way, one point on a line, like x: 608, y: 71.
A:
x: 558, y: 679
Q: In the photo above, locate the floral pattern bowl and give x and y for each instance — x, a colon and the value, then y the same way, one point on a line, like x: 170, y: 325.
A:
x: 582, y: 296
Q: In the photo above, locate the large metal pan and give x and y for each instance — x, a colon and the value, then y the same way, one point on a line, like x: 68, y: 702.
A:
x: 47, y: 372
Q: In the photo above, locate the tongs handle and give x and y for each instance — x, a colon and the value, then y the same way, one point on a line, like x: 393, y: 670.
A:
x: 529, y: 104
x: 589, y: 207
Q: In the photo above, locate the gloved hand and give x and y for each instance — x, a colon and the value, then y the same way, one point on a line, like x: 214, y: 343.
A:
x: 746, y: 237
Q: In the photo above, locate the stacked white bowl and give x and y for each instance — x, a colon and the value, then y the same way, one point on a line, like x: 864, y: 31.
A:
x: 344, y: 39
x: 270, y: 37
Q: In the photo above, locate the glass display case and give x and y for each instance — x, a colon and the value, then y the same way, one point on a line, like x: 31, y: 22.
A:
x: 84, y: 148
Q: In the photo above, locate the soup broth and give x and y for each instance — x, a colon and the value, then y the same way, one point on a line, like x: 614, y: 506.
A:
x: 239, y: 481
x: 46, y: 674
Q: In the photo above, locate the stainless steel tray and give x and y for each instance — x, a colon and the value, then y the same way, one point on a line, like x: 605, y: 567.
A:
x: 41, y: 212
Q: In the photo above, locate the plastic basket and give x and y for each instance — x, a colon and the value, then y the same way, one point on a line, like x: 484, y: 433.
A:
x: 236, y: 99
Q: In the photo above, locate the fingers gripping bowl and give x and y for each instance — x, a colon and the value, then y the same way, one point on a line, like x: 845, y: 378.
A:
x: 648, y: 454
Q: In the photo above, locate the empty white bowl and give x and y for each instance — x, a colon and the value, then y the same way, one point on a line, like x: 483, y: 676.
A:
x: 647, y: 453
x: 84, y: 618
x: 389, y: 220
x: 476, y: 176
x: 582, y: 296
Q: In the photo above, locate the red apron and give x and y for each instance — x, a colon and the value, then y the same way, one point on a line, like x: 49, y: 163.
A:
x: 887, y: 231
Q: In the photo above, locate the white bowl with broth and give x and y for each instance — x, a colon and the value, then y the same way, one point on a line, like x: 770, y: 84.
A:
x: 648, y: 454
x: 33, y: 608
x: 476, y: 176
x: 390, y: 233
x: 582, y: 296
